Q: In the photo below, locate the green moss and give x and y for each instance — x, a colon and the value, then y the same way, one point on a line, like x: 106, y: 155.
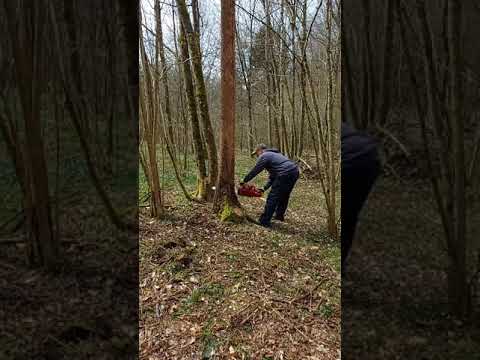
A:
x: 226, y: 212
x: 213, y: 292
x: 235, y: 275
x: 209, y: 341
x: 230, y: 213
x: 325, y: 310
x: 201, y: 192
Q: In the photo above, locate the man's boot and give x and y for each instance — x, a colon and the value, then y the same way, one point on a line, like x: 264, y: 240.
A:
x: 263, y: 223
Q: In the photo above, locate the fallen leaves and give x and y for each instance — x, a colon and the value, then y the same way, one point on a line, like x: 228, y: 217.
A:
x: 239, y: 291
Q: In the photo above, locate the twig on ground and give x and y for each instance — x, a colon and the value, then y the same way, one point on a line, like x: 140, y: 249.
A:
x: 293, y: 325
x: 301, y: 298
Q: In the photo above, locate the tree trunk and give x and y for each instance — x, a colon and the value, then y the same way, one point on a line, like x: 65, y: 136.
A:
x: 458, y: 276
x: 193, y: 40
x: 28, y: 46
x: 246, y: 74
x: 384, y: 88
x: 270, y: 73
x: 164, y: 78
x: 226, y: 201
x: 369, y: 67
x: 149, y: 120
x: 201, y: 192
x: 131, y: 32
x: 331, y: 130
x: 303, y: 83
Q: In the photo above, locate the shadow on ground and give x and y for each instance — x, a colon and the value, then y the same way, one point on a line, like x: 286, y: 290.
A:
x: 394, y: 299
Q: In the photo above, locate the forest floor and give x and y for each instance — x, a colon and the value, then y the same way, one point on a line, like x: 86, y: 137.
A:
x: 212, y: 290
x: 88, y: 307
x: 394, y: 295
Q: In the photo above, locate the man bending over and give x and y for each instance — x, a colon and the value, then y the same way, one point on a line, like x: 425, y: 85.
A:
x: 283, y: 174
x: 360, y: 169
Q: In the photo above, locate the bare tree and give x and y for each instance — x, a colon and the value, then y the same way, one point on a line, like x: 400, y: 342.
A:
x: 28, y: 36
x: 193, y: 41
x: 149, y: 130
x: 202, y: 182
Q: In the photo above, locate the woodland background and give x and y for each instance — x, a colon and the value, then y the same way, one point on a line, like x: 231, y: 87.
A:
x: 410, y: 77
x: 68, y: 179
x: 212, y: 284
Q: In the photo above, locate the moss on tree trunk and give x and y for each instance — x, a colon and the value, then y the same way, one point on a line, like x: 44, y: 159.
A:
x: 201, y: 191
x: 231, y: 212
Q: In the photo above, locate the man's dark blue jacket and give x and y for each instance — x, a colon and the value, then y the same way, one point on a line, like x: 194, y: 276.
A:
x: 356, y: 146
x: 275, y: 163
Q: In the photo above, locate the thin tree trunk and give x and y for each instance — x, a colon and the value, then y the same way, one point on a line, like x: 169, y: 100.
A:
x: 149, y: 119
x: 28, y: 45
x: 164, y: 77
x: 270, y: 74
x: 369, y: 67
x: 385, y: 83
x: 247, y: 82
x: 303, y: 83
x: 193, y: 40
x: 201, y: 192
x: 460, y: 296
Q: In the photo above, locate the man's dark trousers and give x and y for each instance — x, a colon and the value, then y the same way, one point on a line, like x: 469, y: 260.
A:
x: 277, y: 200
x: 358, y: 178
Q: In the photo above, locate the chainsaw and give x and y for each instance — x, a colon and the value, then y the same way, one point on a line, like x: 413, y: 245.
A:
x: 249, y: 190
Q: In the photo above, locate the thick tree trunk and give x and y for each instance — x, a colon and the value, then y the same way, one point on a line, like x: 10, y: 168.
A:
x: 226, y: 202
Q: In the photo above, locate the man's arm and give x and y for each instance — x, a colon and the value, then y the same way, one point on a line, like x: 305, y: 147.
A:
x: 259, y: 167
x: 269, y: 183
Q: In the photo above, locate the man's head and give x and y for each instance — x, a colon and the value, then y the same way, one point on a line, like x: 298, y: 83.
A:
x: 259, y: 149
